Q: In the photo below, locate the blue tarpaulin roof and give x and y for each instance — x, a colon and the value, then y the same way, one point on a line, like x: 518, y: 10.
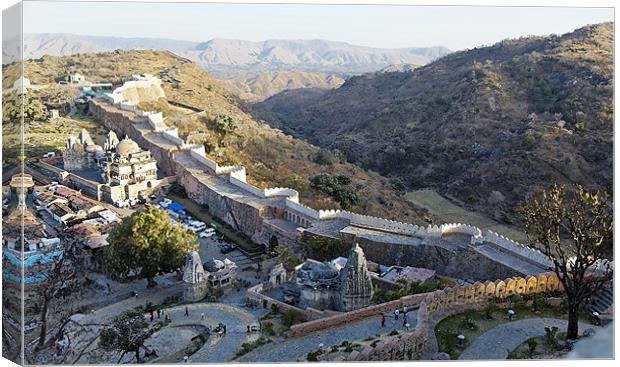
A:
x: 39, y: 258
x: 176, y: 207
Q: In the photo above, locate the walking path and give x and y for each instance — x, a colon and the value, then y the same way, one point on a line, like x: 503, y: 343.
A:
x: 289, y: 350
x: 497, y: 342
x: 216, y: 349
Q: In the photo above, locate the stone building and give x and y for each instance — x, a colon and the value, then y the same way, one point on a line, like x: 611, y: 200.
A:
x: 329, y: 285
x: 129, y: 165
x: 198, y: 278
x: 81, y: 152
x: 119, y: 171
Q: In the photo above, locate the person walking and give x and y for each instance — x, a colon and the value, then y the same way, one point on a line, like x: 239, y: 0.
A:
x: 382, y: 320
x: 405, y: 310
x: 396, y: 314
x: 186, y: 311
x: 404, y: 320
x: 202, y: 315
x: 158, y: 313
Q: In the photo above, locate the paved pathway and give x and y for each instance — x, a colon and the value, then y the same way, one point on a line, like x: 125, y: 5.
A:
x: 498, y: 341
x: 216, y: 349
x: 289, y: 350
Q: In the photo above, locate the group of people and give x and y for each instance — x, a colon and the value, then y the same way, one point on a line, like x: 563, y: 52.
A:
x: 397, y: 314
x: 159, y: 315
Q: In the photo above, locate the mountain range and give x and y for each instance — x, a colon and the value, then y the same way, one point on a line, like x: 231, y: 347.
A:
x: 486, y: 126
x: 222, y: 56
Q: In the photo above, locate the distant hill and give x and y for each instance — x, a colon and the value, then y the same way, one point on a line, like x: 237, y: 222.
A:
x: 486, y: 126
x: 256, y: 88
x: 224, y: 56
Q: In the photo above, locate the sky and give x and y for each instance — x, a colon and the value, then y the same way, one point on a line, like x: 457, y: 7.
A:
x: 455, y: 27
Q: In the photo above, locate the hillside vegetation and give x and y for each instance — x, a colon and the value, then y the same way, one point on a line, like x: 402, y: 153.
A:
x: 230, y: 135
x: 485, y: 126
x: 255, y: 88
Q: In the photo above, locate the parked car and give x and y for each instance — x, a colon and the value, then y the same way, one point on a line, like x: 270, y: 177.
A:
x: 226, y: 248
x: 209, y: 232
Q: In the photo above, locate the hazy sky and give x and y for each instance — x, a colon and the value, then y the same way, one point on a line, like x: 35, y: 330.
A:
x: 368, y: 25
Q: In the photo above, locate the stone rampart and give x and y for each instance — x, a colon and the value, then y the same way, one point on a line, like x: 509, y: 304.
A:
x: 412, y: 345
x: 294, y: 211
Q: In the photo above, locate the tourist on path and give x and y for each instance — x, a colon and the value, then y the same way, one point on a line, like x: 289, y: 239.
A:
x: 382, y: 320
x: 396, y: 314
x: 186, y: 312
x: 405, y: 310
x: 404, y: 320
x: 159, y: 314
x: 202, y: 315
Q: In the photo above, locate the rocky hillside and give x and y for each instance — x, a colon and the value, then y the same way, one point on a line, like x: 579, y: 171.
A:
x: 485, y: 126
x: 259, y: 87
x: 230, y: 135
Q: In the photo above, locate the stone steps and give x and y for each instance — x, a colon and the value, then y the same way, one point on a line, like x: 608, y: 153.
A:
x: 602, y: 301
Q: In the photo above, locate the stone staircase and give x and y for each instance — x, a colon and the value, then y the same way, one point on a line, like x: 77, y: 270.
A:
x: 602, y: 302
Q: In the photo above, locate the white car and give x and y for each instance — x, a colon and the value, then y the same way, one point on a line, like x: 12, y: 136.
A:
x: 207, y: 233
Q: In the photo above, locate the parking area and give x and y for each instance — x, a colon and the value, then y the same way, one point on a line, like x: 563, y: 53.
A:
x: 210, y: 248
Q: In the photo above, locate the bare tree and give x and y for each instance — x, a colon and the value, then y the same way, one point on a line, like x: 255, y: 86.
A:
x: 61, y: 282
x: 575, y: 230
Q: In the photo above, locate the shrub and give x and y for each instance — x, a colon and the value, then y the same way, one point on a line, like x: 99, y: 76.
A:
x: 539, y: 302
x: 531, y: 346
x: 529, y: 142
x: 550, y: 335
x: 491, y: 308
x: 290, y: 317
x: 268, y: 327
x: 517, y: 301
x: 324, y: 158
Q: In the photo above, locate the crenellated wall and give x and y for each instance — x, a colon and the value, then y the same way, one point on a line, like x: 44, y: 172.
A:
x: 125, y: 118
x: 435, y: 305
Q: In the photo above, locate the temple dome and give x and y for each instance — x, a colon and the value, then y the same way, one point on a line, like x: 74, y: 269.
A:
x: 127, y: 146
x: 323, y: 271
x: 213, y: 265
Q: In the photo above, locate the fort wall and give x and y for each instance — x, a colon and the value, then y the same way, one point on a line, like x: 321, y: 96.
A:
x: 142, y: 127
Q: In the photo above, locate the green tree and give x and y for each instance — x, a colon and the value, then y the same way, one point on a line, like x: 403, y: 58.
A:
x: 575, y: 230
x: 127, y: 334
x: 323, y: 248
x: 225, y: 125
x: 148, y: 243
x: 12, y: 104
x: 339, y: 187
